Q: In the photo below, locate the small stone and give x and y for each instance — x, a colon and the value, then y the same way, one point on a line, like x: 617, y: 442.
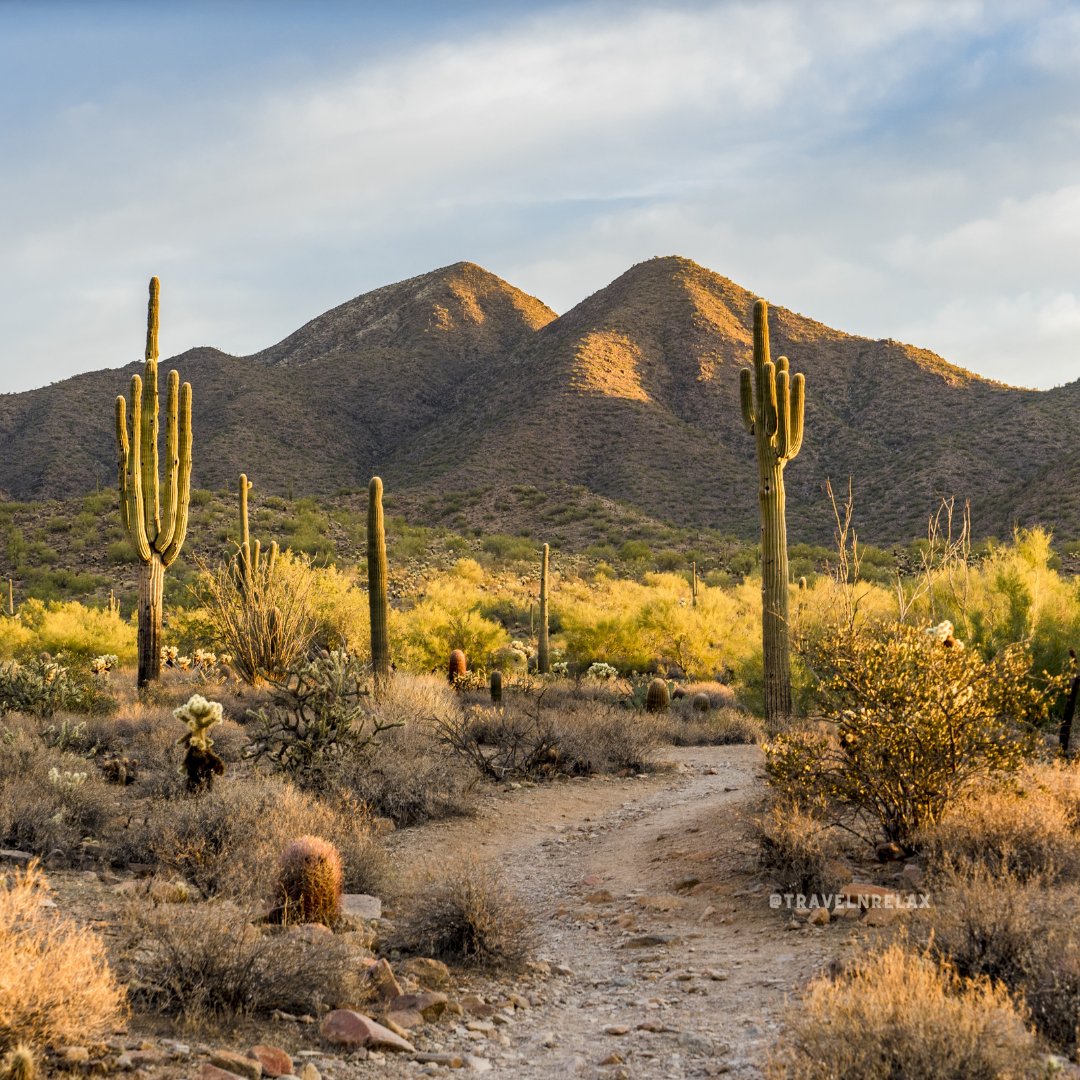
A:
x: 648, y: 941
x: 427, y: 972
x: 386, y: 986
x: 477, y: 1064
x: 237, y: 1064
x: 449, y: 1061
x: 309, y: 1072
x: 890, y: 852
x: 474, y: 1005
x: 75, y: 1055
x: 361, y: 906
x: 274, y: 1060
x: 403, y: 1021
x: 343, y: 1027
x: 601, y: 896
x: 819, y: 917
x: 616, y: 1029
x: 613, y: 1059
x: 430, y: 1004
x: 212, y: 1072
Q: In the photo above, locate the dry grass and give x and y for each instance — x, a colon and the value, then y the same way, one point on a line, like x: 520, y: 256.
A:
x: 798, y: 851
x: 685, y: 726
x: 55, y: 982
x: 899, y: 1013
x: 1021, y: 933
x: 226, y: 842
x: 1030, y: 828
x: 464, y: 914
x: 212, y: 961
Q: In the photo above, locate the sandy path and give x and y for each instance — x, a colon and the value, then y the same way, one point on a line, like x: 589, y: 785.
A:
x: 705, y: 996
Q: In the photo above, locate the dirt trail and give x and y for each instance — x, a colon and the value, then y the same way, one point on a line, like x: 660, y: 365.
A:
x: 666, y: 958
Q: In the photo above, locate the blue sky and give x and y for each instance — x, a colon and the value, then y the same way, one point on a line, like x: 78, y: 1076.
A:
x: 895, y: 168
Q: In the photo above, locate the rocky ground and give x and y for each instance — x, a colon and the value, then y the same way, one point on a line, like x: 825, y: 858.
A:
x: 659, y: 954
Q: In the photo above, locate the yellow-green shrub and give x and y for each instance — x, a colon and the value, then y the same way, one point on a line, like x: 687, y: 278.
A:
x: 71, y: 628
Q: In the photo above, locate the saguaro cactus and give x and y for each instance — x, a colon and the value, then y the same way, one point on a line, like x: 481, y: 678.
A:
x: 249, y: 554
x: 156, y: 524
x: 543, y: 658
x: 377, y: 571
x: 772, y: 407
x: 693, y: 584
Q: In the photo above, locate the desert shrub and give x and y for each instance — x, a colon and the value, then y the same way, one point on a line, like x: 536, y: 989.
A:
x: 1027, y: 828
x: 56, y: 985
x: 1020, y: 933
x: 265, y: 628
x: 318, y: 713
x: 448, y: 616
x: 799, y: 852
x: 725, y: 727
x: 898, y: 1013
x: 465, y: 914
x: 79, y: 632
x: 914, y: 725
x: 53, y: 803
x: 211, y: 961
x: 227, y: 842
x: 592, y: 737
x: 42, y: 686
x: 340, y: 610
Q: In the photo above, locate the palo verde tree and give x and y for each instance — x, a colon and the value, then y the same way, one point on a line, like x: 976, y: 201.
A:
x: 772, y: 407
x: 155, y: 522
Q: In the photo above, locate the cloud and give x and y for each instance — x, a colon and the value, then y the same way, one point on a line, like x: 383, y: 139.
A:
x: 870, y: 164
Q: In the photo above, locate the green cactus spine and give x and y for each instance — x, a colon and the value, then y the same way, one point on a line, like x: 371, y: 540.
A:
x: 377, y: 590
x: 543, y: 656
x: 773, y: 404
x: 249, y: 554
x: 156, y: 523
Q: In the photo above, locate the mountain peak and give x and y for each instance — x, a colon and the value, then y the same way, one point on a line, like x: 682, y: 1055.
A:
x: 462, y: 301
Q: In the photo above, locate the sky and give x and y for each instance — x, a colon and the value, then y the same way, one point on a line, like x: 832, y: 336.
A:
x: 894, y: 168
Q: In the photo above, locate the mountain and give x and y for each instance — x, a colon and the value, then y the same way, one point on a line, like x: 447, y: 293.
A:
x: 464, y: 392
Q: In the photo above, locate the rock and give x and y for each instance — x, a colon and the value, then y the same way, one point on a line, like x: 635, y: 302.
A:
x: 449, y: 1061
x: 601, y: 896
x: 75, y: 1055
x: 819, y: 917
x: 343, y: 1027
x: 686, y: 884
x: 381, y: 976
x: 473, y: 1005
x: 430, y: 1004
x: 612, y: 1059
x: 274, y: 1060
x: 913, y: 875
x: 309, y: 1072
x: 403, y: 1021
x: 237, y: 1064
x: 15, y: 856
x: 427, y: 972
x: 616, y: 1029
x: 477, y: 1064
x: 212, y: 1072
x: 890, y: 852
x: 361, y: 906
x: 648, y: 941
x: 660, y: 902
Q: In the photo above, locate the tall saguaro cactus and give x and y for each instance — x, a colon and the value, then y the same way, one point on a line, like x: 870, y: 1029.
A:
x: 249, y: 555
x: 377, y: 592
x: 155, y: 522
x: 772, y: 406
x: 543, y: 658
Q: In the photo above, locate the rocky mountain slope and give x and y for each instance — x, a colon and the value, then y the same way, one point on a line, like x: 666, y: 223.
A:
x: 454, y: 382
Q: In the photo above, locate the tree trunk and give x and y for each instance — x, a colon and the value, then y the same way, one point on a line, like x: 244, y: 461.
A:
x: 774, y: 596
x: 1065, y: 733
x: 151, y: 590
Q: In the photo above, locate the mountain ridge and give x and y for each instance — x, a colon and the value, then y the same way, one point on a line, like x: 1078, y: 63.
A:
x: 455, y: 381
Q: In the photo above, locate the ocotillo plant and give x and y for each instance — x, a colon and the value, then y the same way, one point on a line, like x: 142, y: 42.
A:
x: 156, y: 524
x: 543, y: 659
x: 377, y: 596
x: 249, y: 553
x: 772, y: 407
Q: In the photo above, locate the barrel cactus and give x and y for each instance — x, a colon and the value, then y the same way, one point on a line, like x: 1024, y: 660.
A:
x: 657, y: 696
x: 310, y: 882
x: 457, y: 667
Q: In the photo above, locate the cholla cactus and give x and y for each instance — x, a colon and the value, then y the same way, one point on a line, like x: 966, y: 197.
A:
x: 943, y: 632
x: 204, y: 658
x: 170, y: 654
x: 560, y: 669
x: 102, y: 665
x: 200, y: 716
x: 601, y: 671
